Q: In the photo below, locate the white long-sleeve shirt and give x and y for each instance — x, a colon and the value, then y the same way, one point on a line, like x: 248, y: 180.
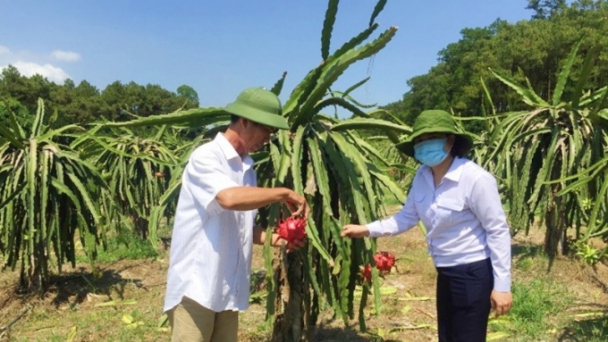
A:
x: 464, y: 218
x: 211, y: 248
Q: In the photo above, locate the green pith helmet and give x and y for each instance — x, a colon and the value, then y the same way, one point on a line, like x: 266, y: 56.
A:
x: 433, y: 121
x: 259, y: 105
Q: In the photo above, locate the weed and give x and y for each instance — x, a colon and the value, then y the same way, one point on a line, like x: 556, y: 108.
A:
x: 587, y: 253
x: 124, y: 246
x: 524, y: 264
x: 534, y: 302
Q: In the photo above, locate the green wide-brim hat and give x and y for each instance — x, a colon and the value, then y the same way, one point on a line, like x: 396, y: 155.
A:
x: 434, y: 121
x: 259, y: 105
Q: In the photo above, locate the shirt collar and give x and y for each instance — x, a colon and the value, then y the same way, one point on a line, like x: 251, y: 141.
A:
x: 455, y: 169
x: 229, y: 151
x: 453, y: 173
x: 226, y: 147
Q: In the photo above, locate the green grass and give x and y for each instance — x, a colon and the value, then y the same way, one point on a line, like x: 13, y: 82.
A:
x: 123, y: 246
x: 127, y: 246
x: 530, y: 258
x: 536, y: 302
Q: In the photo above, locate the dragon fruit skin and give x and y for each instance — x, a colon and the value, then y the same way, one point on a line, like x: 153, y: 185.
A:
x: 292, y: 229
x: 366, y: 273
x: 384, y: 261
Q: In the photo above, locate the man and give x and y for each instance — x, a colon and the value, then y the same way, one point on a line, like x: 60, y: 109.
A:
x: 213, y: 233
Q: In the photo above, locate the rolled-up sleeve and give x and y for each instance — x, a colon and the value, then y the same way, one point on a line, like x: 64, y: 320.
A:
x: 205, y: 177
x: 486, y: 205
x: 401, y: 222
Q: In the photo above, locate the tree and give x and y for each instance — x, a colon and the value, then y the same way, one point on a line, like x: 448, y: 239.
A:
x: 13, y: 84
x: 545, y: 8
x: 23, y: 89
x: 124, y: 102
x: 83, y: 104
x: 527, y: 50
x: 113, y: 95
x: 189, y: 94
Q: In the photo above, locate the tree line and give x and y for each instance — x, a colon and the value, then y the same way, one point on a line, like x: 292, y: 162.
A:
x: 530, y: 51
x: 83, y: 103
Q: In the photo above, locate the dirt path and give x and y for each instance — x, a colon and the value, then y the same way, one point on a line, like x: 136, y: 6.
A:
x: 124, y: 302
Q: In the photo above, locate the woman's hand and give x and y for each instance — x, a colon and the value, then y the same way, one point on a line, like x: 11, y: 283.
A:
x: 501, y: 302
x: 354, y: 231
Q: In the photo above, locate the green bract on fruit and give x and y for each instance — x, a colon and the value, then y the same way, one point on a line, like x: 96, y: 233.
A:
x: 292, y: 229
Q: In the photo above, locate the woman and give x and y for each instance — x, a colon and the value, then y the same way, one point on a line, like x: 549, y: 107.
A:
x: 467, y: 233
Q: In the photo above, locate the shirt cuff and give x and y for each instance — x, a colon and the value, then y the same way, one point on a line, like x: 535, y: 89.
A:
x: 375, y: 229
x: 502, y: 284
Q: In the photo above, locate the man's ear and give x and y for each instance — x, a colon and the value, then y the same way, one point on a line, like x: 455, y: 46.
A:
x: 244, y: 122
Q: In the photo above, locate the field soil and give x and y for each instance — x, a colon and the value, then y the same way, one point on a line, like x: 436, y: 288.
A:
x: 122, y: 301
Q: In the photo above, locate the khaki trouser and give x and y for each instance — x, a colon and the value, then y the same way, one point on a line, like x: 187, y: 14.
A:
x: 191, y: 322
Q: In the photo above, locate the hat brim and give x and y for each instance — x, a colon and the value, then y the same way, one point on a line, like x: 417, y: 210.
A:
x: 407, y: 146
x: 257, y: 116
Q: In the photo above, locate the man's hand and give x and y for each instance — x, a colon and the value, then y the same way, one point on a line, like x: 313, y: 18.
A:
x: 501, y: 302
x: 291, y: 247
x: 297, y: 205
x: 296, y: 245
x: 354, y: 231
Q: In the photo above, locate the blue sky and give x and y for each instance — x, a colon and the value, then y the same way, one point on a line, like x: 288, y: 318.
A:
x: 221, y: 47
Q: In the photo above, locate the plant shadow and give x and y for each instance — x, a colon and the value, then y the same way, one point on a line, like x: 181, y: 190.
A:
x: 331, y: 334
x: 346, y: 334
x: 526, y: 250
x: 74, y: 287
x: 586, y: 330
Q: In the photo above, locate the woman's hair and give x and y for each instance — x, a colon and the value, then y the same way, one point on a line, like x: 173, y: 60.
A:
x: 460, y: 148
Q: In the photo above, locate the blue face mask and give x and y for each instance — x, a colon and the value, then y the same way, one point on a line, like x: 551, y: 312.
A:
x: 430, y: 152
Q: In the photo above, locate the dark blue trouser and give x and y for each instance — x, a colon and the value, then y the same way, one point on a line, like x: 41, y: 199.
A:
x: 463, y: 301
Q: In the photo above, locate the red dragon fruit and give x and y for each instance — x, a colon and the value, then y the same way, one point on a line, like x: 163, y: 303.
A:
x: 384, y: 261
x: 292, y: 228
x: 366, y: 273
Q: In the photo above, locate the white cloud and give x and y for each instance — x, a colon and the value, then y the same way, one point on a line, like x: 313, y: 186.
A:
x: 28, y: 65
x: 52, y: 73
x: 67, y: 56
